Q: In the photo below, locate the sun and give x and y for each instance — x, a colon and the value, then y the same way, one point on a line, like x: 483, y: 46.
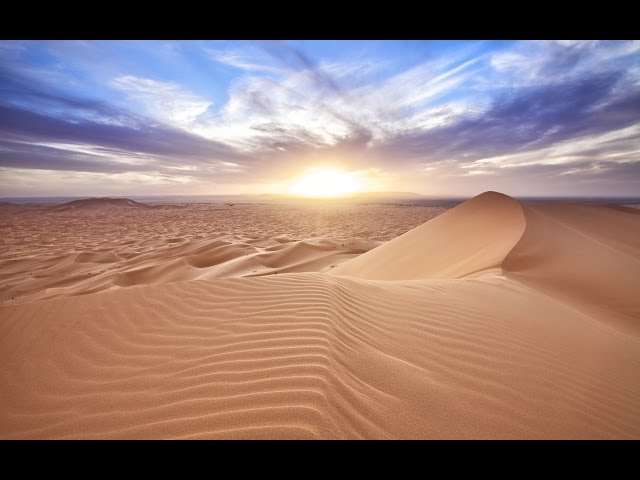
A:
x: 325, y: 182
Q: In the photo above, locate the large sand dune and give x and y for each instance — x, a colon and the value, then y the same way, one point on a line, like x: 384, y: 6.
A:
x: 469, y: 239
x: 492, y: 320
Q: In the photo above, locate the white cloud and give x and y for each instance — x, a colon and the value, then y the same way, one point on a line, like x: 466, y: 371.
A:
x: 303, y: 106
x: 286, y: 107
x: 247, y: 59
x: 113, y: 155
x: 571, y: 151
x: 547, y: 61
x: 18, y: 182
x: 11, y: 49
x: 163, y: 100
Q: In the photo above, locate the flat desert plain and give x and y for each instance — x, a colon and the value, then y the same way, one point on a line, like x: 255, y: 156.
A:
x: 493, y: 319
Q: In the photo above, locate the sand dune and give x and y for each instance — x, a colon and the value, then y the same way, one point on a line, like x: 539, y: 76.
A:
x: 74, y: 273
x: 98, y: 203
x: 492, y: 320
x: 588, y: 255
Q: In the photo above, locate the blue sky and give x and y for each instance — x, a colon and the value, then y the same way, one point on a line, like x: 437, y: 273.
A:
x: 221, y: 117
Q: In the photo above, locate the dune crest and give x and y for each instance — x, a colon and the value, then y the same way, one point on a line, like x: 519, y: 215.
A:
x: 467, y: 240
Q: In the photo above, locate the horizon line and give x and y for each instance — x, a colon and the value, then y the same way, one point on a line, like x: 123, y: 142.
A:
x: 340, y: 197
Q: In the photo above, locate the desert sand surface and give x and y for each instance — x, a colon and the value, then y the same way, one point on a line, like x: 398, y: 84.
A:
x: 494, y: 319
x: 87, y: 246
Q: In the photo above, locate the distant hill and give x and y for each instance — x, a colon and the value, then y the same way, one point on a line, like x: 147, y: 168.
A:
x: 98, y: 203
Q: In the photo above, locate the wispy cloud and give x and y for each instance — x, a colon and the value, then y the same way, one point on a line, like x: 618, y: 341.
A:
x: 163, y: 100
x: 528, y: 119
x: 248, y: 59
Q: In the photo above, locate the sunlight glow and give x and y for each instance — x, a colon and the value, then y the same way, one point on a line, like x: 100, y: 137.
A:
x: 326, y: 182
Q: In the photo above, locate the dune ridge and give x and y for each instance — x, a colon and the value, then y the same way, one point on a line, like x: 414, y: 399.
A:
x: 459, y: 243
x: 493, y: 320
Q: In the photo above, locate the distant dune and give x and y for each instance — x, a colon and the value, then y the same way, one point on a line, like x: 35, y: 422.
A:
x: 98, y: 203
x: 73, y: 252
x: 495, y: 319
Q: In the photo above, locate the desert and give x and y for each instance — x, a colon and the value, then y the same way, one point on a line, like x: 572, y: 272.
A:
x: 492, y: 319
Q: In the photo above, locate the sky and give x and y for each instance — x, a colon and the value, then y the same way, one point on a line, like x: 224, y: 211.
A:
x: 442, y: 118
